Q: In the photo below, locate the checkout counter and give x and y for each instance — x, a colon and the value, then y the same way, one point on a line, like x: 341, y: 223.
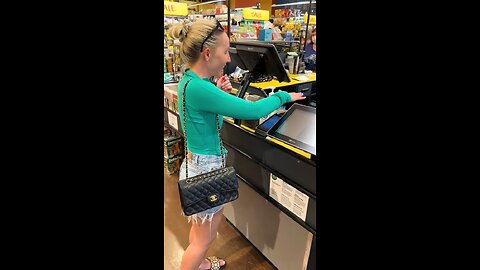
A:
x: 276, y: 208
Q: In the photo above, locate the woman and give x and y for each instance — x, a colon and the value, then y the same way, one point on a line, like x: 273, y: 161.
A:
x: 310, y: 57
x: 204, y: 52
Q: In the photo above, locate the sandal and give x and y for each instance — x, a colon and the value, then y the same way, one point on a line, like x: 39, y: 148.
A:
x: 215, y: 263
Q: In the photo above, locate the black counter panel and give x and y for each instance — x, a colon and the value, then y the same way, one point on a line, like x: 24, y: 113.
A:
x: 296, y: 170
x: 257, y: 176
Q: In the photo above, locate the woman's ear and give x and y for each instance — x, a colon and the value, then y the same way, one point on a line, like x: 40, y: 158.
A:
x: 207, y: 54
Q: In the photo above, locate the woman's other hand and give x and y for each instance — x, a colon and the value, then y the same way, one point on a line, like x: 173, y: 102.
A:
x: 224, y: 83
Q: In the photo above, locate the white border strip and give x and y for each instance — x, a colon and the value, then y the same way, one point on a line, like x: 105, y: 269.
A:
x: 294, y: 4
x: 205, y: 3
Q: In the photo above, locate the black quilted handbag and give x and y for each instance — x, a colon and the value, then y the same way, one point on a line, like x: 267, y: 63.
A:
x: 205, y: 191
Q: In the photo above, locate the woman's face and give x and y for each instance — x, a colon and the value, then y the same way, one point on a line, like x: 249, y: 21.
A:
x: 314, y: 38
x: 219, y: 56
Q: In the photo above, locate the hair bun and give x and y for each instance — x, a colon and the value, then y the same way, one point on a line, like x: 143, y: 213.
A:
x: 184, y: 31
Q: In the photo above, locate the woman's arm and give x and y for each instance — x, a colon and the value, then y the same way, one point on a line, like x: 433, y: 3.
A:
x: 207, y: 97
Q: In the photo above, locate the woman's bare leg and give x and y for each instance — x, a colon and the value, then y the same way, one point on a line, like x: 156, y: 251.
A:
x: 190, y: 236
x: 201, y: 237
x: 216, y: 221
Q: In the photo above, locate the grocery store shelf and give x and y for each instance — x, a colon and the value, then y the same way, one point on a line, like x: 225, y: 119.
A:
x: 166, y: 120
x: 293, y: 4
x: 170, y: 81
x: 171, y: 111
x: 247, y: 39
x: 269, y: 41
x: 219, y: 14
x: 299, y: 17
x: 204, y: 3
x: 282, y: 41
x: 172, y: 127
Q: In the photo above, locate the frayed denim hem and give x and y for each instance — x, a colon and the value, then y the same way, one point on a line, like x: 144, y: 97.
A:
x: 203, y: 216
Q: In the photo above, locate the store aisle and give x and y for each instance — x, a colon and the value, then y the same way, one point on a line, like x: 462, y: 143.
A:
x: 230, y: 245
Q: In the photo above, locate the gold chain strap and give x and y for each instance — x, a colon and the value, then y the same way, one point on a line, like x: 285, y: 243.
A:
x: 222, y: 150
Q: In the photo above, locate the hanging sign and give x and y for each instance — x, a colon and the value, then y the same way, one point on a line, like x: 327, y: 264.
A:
x: 175, y: 8
x: 313, y: 19
x: 256, y: 14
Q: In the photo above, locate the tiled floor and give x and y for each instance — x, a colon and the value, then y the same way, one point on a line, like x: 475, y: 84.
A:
x: 230, y: 245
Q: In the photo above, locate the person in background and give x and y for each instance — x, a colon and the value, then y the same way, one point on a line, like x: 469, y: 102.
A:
x: 204, y: 52
x: 310, y: 57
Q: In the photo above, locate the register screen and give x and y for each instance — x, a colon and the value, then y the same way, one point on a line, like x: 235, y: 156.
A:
x: 300, y: 125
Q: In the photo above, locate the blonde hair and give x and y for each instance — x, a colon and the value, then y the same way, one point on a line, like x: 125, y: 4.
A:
x: 191, y: 35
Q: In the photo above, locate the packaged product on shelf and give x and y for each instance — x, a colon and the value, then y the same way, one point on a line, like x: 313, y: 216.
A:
x: 168, y: 96
x: 178, y: 76
x: 221, y: 17
x: 224, y: 9
x: 265, y: 35
x: 175, y: 103
x: 289, y: 25
x: 268, y: 25
x: 298, y: 25
x: 170, y: 64
x: 171, y: 96
x: 172, y: 146
x: 278, y: 21
x: 173, y: 164
x: 277, y: 13
x: 277, y: 34
x: 289, y: 36
x: 246, y: 32
x: 283, y: 13
x: 167, y: 78
x: 238, y: 16
x: 297, y: 13
x: 167, y: 132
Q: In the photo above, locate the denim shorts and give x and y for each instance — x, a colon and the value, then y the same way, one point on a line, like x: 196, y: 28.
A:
x: 200, y: 164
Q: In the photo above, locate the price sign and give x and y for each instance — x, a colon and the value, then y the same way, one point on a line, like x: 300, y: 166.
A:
x: 175, y: 8
x: 313, y: 19
x: 172, y: 120
x: 256, y: 14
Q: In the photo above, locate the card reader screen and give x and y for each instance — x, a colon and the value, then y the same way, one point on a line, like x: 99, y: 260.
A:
x: 300, y: 126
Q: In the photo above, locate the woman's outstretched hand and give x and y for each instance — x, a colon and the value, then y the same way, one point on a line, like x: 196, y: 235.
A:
x: 296, y: 96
